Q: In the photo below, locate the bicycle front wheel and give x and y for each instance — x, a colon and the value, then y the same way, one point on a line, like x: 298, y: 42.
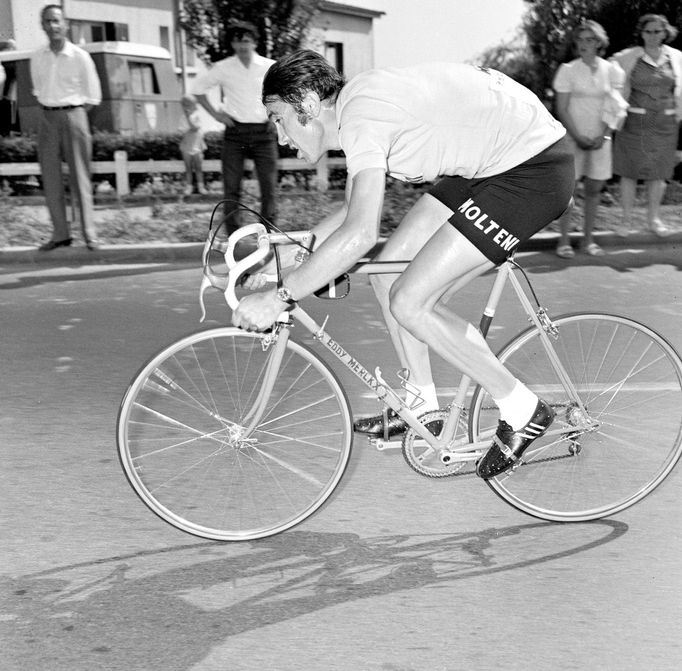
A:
x: 185, y: 448
x: 629, y: 380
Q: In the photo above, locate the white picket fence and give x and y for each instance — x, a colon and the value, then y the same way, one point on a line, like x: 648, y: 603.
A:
x: 121, y: 168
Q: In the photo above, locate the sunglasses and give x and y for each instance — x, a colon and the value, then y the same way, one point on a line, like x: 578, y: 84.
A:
x: 653, y: 32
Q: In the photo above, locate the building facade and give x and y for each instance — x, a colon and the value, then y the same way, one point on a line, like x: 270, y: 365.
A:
x: 342, y: 31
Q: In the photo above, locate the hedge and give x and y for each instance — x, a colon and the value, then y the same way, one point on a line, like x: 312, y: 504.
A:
x: 142, y: 147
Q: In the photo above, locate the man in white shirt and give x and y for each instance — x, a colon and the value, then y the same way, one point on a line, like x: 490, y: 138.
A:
x: 248, y: 133
x: 504, y: 171
x: 66, y: 84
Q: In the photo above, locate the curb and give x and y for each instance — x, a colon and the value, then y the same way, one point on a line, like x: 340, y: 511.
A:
x: 160, y: 252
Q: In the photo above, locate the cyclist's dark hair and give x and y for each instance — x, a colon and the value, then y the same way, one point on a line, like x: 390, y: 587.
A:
x: 291, y: 77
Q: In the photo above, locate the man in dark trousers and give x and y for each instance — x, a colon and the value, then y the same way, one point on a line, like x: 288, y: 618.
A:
x: 66, y: 84
x: 248, y: 133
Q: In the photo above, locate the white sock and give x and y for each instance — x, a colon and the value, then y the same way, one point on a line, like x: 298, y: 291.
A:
x: 518, y: 407
x: 425, y: 395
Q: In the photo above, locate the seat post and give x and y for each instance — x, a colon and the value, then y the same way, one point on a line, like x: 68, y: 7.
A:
x: 503, y: 273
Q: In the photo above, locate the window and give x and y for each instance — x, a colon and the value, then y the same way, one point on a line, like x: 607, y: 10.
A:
x: 333, y: 52
x: 164, y: 37
x: 143, y: 78
x: 189, y: 53
x: 97, y: 31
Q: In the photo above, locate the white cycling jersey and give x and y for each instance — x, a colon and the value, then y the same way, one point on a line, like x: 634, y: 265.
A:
x: 436, y: 119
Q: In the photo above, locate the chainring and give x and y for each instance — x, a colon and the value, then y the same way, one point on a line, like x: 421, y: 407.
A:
x: 423, y: 459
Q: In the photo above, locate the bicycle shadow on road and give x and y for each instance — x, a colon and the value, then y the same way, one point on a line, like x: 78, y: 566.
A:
x: 177, y: 604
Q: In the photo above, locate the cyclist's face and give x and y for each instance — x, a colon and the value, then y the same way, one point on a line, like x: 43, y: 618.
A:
x: 303, y: 133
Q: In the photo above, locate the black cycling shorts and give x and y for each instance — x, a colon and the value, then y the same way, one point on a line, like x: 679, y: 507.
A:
x: 498, y: 214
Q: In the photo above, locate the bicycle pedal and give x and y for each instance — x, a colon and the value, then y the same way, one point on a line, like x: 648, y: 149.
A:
x: 380, y: 444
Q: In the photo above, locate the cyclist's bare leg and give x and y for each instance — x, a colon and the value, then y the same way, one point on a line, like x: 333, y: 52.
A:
x: 444, y: 264
x: 415, y: 229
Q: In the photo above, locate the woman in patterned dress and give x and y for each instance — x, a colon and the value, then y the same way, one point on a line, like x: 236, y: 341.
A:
x: 645, y: 148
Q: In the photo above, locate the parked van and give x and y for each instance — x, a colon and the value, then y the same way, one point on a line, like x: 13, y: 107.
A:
x: 140, y: 90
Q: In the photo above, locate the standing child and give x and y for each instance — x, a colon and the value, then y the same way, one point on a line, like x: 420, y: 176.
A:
x: 192, y: 147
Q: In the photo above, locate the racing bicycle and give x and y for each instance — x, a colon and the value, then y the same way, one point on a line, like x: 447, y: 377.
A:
x: 233, y: 435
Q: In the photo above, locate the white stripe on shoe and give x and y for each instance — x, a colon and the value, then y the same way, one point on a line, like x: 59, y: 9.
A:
x: 531, y: 431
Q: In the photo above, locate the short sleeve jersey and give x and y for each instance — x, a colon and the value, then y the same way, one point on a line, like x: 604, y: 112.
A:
x: 437, y: 119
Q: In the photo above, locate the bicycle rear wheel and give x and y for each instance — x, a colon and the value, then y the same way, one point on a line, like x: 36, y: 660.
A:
x: 630, y: 381
x: 183, y: 445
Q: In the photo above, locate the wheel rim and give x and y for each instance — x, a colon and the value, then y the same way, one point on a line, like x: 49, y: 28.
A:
x: 185, y: 449
x: 630, y: 380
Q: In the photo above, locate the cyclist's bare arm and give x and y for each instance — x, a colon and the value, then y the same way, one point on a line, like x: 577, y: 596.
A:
x: 323, y: 230
x: 289, y: 253
x: 345, y: 238
x: 342, y: 245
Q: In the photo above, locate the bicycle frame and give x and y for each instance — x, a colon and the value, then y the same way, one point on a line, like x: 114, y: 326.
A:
x: 445, y: 444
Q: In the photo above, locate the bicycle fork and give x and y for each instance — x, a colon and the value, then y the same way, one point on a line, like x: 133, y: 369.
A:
x: 277, y: 344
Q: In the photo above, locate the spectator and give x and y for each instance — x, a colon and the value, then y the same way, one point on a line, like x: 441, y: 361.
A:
x: 248, y: 133
x: 8, y: 93
x: 587, y: 91
x: 645, y: 147
x: 192, y: 147
x: 66, y: 85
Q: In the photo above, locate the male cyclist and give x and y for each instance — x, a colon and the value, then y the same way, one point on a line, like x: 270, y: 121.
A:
x: 502, y: 171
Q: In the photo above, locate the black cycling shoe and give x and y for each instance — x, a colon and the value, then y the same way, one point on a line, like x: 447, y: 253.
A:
x: 508, y: 445
x: 386, y: 425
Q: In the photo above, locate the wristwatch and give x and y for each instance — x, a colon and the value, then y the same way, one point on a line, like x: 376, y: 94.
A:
x: 284, y: 294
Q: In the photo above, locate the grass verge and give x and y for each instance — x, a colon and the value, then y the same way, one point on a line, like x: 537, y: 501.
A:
x: 176, y: 219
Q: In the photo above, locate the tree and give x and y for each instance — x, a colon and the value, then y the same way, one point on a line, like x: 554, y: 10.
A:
x: 515, y: 60
x: 619, y: 18
x: 545, y: 42
x: 548, y: 26
x: 282, y: 24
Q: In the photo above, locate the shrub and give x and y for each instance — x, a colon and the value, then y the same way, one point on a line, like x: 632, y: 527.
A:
x: 141, y: 147
x: 18, y: 149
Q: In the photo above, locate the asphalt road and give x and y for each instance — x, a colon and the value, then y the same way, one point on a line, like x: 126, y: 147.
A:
x: 396, y: 573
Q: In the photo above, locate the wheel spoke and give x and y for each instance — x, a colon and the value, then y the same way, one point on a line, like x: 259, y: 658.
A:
x: 630, y: 381
x: 194, y: 458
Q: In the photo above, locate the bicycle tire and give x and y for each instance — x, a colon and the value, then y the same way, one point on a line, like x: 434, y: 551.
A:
x: 630, y: 380
x: 182, y: 447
